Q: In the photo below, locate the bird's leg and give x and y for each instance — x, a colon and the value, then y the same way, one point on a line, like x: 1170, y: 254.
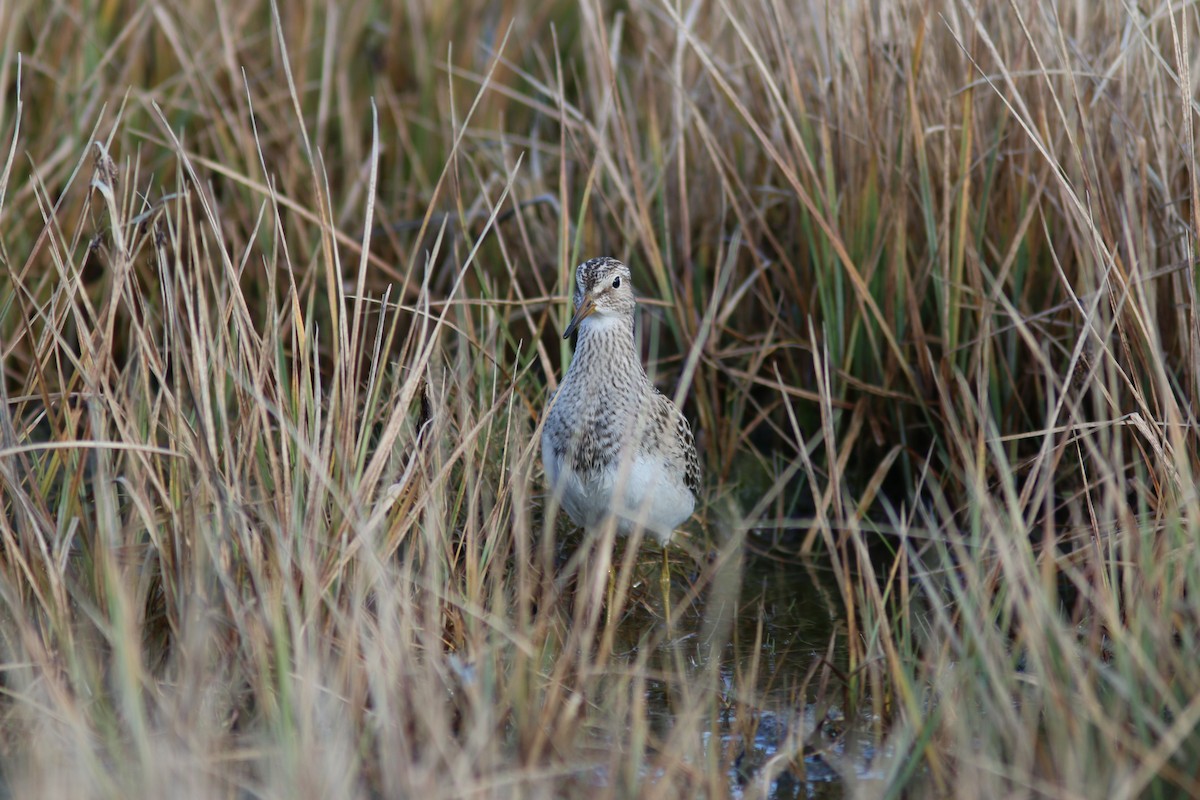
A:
x: 664, y: 583
x: 612, y: 593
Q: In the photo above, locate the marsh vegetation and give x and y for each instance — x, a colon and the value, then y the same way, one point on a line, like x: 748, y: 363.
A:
x: 281, y: 295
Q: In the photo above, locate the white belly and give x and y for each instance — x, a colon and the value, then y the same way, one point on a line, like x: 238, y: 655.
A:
x: 641, y: 493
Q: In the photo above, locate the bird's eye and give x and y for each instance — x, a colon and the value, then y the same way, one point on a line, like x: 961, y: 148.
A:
x: 617, y: 282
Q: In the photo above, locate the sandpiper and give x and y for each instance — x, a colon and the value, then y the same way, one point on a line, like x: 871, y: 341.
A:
x: 613, y: 446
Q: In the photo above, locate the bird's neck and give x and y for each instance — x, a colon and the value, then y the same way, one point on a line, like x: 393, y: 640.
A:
x: 609, y: 341
x: 607, y: 326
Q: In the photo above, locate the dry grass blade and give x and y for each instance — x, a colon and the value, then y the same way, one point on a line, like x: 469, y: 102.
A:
x: 281, y: 290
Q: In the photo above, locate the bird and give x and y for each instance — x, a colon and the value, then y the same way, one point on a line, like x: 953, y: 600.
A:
x: 613, y: 446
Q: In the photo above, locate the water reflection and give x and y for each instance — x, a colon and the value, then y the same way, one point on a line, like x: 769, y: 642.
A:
x: 771, y: 647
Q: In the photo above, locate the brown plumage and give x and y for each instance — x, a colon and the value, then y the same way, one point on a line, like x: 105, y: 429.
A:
x: 612, y: 444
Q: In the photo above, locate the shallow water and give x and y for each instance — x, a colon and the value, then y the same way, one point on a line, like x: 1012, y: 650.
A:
x: 778, y: 731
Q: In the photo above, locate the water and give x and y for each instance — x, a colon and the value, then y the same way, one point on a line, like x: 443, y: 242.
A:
x: 775, y: 671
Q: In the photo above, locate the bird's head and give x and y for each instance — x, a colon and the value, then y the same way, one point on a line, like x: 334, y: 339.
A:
x: 603, y: 295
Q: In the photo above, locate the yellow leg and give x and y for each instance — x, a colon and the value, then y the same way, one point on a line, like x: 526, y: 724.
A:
x: 612, y: 594
x: 664, y: 583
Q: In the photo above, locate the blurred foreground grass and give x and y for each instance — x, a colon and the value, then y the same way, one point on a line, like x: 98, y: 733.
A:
x: 280, y: 295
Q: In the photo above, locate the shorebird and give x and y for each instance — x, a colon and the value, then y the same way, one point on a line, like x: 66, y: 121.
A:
x: 613, y: 446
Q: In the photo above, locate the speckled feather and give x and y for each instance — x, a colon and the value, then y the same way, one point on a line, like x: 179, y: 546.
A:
x: 606, y: 413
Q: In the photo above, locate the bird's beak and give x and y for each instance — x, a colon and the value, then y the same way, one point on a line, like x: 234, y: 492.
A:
x: 584, y: 311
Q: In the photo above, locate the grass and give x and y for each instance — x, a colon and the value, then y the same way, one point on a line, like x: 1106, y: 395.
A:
x: 280, y: 298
